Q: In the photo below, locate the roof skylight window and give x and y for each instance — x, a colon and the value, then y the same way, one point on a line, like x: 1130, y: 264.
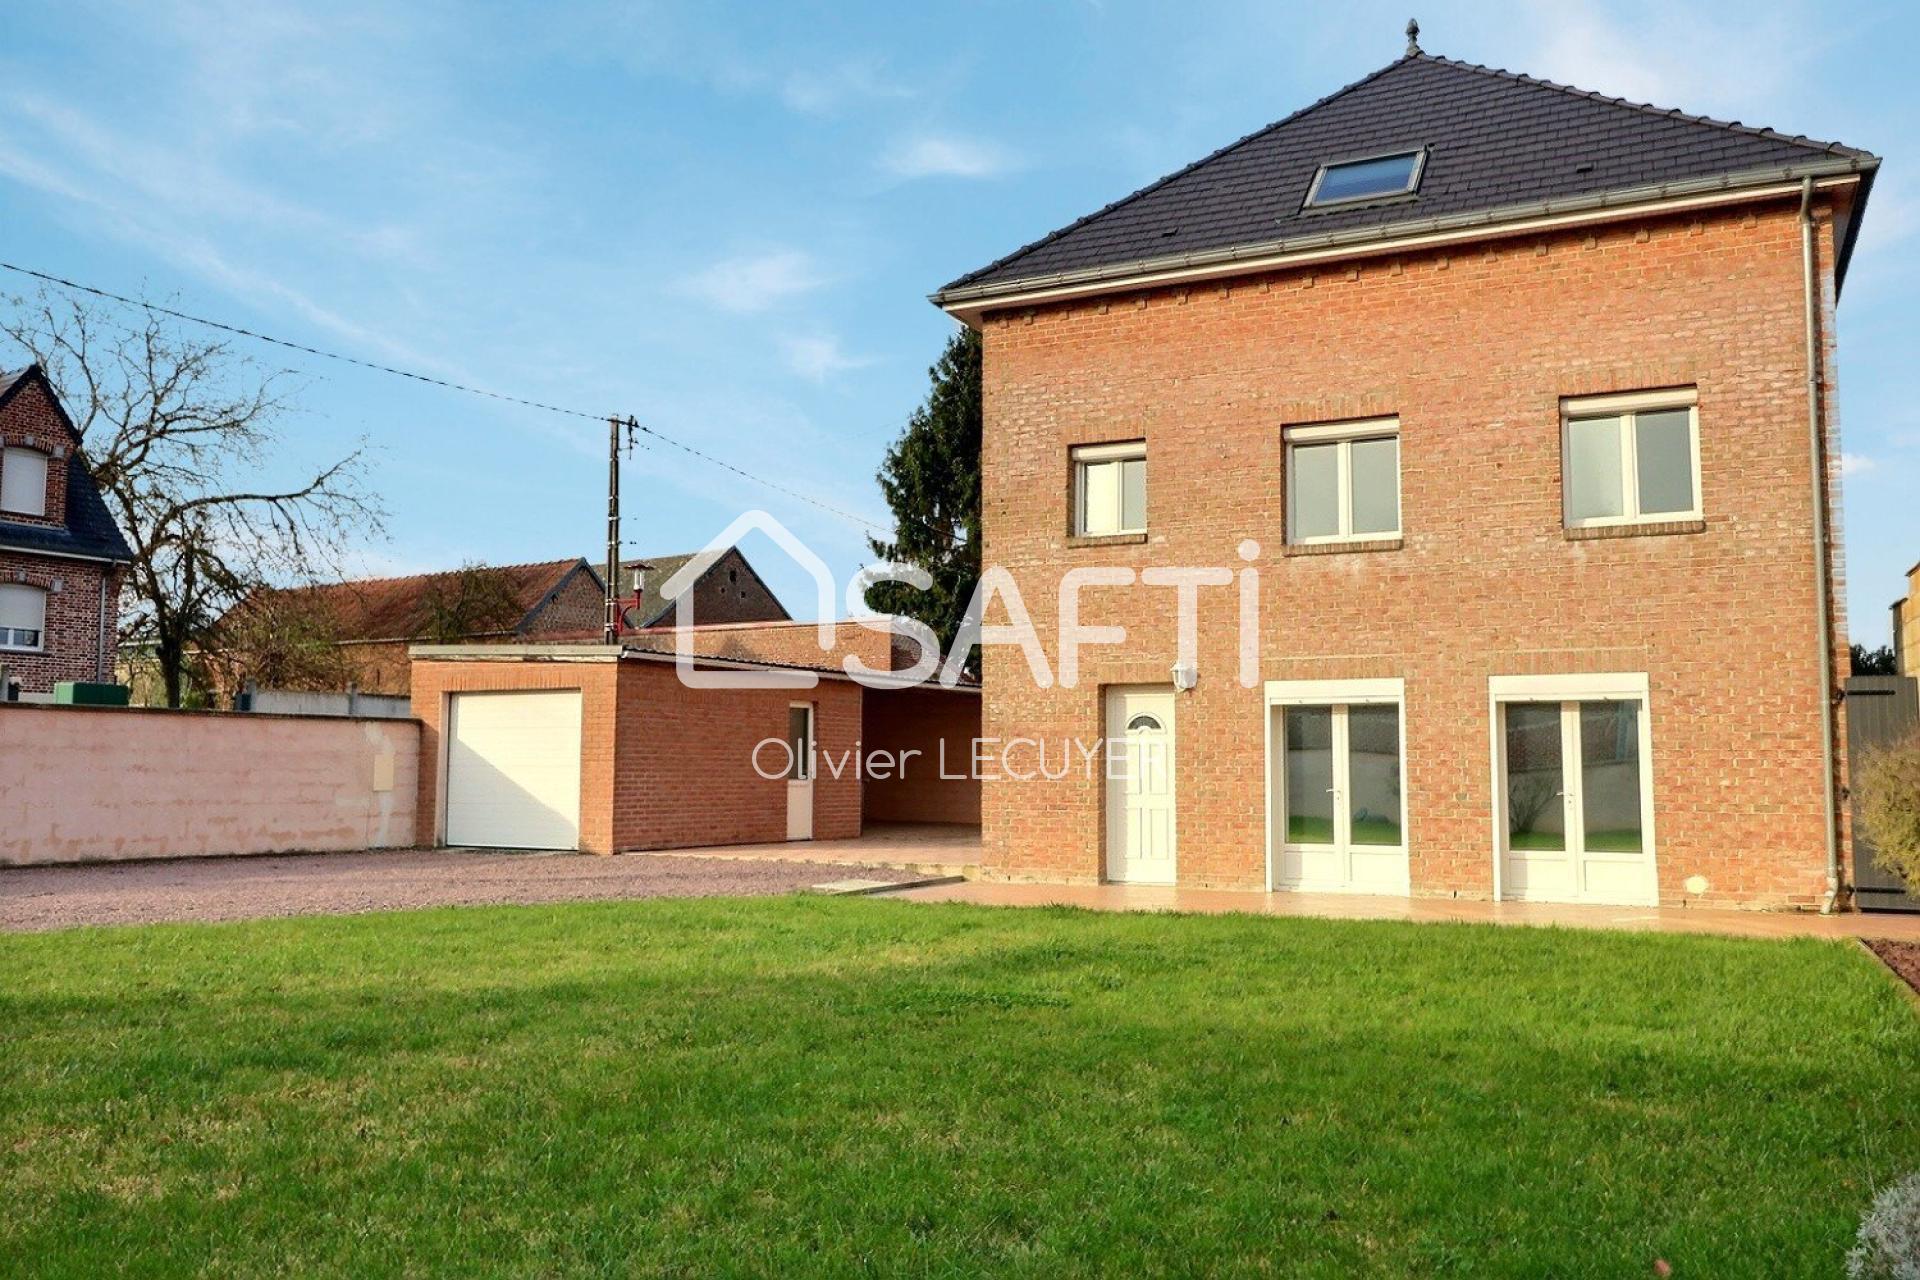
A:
x: 1374, y: 178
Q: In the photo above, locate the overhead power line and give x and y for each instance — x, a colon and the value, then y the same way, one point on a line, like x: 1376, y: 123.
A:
x: 300, y: 346
x: 445, y: 384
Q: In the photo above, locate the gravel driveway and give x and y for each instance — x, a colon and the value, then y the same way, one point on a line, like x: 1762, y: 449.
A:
x: 345, y: 883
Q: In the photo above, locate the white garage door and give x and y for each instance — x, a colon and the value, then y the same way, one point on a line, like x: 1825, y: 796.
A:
x: 513, y: 770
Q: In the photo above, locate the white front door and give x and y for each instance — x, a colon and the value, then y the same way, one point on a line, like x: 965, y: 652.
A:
x: 513, y: 769
x: 1141, y: 832
x: 1574, y: 802
x: 1338, y: 824
x: 800, y: 771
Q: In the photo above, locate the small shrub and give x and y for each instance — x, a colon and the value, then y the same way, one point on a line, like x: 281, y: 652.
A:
x: 1889, y: 1244
x: 1889, y: 787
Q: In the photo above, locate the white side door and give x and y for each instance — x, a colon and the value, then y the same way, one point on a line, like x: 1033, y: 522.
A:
x: 1142, y: 834
x: 800, y: 772
x: 513, y: 769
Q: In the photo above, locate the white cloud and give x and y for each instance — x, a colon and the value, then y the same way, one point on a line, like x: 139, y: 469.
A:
x: 1655, y: 56
x: 755, y: 282
x: 946, y: 156
x: 1854, y: 464
x: 152, y: 223
x: 818, y: 357
x: 1894, y: 215
x: 824, y: 91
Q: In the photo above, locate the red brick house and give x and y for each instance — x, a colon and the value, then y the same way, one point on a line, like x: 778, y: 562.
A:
x: 1501, y: 396
x: 62, y: 558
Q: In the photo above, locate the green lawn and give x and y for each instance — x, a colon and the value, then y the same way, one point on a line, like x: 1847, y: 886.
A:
x: 805, y: 1085
x: 1306, y: 829
x: 1626, y: 840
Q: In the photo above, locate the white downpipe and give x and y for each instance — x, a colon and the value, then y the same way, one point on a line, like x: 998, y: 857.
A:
x: 1816, y: 456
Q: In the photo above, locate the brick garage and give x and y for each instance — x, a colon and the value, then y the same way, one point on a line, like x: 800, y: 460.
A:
x: 1473, y: 350
x: 666, y: 766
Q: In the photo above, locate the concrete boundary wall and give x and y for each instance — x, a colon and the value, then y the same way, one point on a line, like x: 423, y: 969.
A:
x: 91, y: 784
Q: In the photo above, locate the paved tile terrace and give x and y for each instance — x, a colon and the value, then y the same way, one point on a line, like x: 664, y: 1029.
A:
x: 1118, y: 897
x: 929, y: 848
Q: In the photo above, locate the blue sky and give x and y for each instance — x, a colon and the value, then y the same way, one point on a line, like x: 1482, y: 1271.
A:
x: 724, y: 218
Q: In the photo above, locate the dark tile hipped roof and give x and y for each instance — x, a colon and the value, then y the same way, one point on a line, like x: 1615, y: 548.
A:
x: 1495, y: 140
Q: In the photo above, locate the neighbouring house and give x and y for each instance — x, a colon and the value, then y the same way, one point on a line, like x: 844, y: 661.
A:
x: 1503, y: 390
x: 62, y: 557
x: 336, y: 635
x: 605, y: 748
x: 333, y: 636
x: 1906, y: 627
x: 730, y: 590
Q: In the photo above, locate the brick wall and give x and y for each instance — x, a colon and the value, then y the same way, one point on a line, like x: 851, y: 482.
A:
x: 71, y: 643
x: 1473, y: 351
x: 87, y: 784
x: 941, y: 726
x: 729, y: 592
x: 1906, y: 625
x: 685, y: 774
x: 579, y: 605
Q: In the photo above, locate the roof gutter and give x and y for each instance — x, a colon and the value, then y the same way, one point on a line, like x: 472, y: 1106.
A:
x: 1817, y: 473
x: 64, y: 555
x: 969, y: 301
x: 623, y: 652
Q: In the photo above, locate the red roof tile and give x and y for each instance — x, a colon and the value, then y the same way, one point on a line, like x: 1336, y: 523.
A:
x: 401, y: 608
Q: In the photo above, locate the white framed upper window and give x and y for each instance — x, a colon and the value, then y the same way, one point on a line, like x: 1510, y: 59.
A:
x: 23, y: 616
x: 1631, y: 459
x: 1110, y: 488
x: 1367, y: 178
x: 23, y: 481
x: 1343, y: 481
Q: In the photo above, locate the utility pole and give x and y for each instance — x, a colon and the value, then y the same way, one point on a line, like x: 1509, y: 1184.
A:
x: 611, y: 631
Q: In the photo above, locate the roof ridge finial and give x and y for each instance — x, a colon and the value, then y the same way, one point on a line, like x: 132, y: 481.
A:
x: 1413, y: 36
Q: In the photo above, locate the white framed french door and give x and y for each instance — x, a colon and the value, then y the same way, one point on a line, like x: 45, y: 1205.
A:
x: 1336, y: 799
x: 1573, y: 788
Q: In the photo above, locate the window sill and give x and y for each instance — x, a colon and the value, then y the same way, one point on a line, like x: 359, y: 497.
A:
x: 1642, y: 529
x: 1341, y: 548
x: 1106, y: 540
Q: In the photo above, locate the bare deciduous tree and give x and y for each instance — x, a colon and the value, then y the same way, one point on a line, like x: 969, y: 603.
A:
x: 279, y: 640
x: 179, y: 432
x: 473, y: 600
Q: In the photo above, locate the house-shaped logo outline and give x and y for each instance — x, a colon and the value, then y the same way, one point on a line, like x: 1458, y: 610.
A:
x: 679, y: 588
